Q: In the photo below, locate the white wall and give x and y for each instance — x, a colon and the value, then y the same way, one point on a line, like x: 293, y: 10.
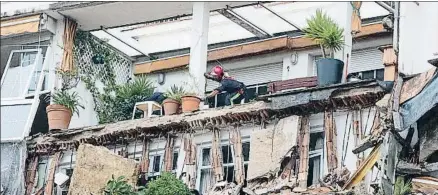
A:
x: 10, y: 8
x: 418, y: 36
x: 177, y: 77
x: 87, y: 116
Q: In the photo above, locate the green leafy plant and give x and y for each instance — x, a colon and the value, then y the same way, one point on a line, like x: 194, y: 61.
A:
x: 167, y: 184
x: 120, y: 186
x: 70, y: 101
x: 402, y: 187
x: 140, y: 86
x: 119, y: 105
x: 326, y: 32
x: 175, y: 92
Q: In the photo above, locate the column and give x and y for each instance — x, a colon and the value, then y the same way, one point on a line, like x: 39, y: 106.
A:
x: 198, y: 47
x: 344, y: 21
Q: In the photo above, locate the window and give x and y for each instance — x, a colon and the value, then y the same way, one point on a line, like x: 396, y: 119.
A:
x: 370, y: 74
x: 15, y: 120
x: 205, y: 170
x: 316, y: 147
x: 156, y: 163
x: 252, y: 92
x: 21, y: 74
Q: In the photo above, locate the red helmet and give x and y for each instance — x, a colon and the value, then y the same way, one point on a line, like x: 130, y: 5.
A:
x: 217, y: 71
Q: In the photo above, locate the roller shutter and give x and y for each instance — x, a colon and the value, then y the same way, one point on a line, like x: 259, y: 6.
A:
x: 365, y: 59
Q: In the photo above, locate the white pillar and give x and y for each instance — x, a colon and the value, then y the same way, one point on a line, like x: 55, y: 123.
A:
x: 198, y: 47
x: 344, y: 21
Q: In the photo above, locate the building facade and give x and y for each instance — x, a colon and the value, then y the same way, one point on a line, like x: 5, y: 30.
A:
x: 32, y: 48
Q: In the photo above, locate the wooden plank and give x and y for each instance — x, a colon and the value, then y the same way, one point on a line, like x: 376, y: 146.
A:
x: 239, y: 171
x: 362, y: 171
x: 216, y: 156
x: 168, y: 154
x: 415, y: 85
x: 304, y: 152
x: 19, y: 25
x: 30, y: 175
x: 292, y: 84
x: 331, y: 136
x: 50, y: 180
x: 144, y: 163
x: 190, y: 161
x: 389, y: 73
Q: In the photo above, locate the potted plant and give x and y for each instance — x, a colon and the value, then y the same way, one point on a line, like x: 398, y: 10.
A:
x: 190, y: 100
x: 60, y: 112
x: 327, y: 33
x: 173, y: 101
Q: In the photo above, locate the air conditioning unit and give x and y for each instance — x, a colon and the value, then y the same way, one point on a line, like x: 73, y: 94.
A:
x: 61, y: 179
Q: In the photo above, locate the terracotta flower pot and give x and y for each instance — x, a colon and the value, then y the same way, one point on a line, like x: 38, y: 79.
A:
x: 59, y: 116
x: 190, y: 103
x: 170, y: 106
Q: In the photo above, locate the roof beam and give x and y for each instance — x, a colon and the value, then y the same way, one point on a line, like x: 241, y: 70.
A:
x: 385, y: 6
x: 284, y: 19
x: 242, y: 22
x: 131, y: 45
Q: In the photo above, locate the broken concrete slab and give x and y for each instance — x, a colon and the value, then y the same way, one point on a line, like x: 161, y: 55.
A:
x: 95, y: 165
x: 270, y: 146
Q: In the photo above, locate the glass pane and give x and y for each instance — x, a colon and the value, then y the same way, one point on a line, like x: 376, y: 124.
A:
x: 18, y: 74
x: 368, y: 74
x: 13, y: 120
x: 229, y: 173
x: 206, y: 180
x: 316, y: 141
x: 156, y: 164
x: 380, y: 74
x: 245, y: 148
x: 227, y: 155
x: 314, y: 170
x: 205, y: 156
x: 263, y: 90
x: 175, y: 161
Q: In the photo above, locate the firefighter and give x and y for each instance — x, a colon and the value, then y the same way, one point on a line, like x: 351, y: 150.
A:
x: 235, y: 90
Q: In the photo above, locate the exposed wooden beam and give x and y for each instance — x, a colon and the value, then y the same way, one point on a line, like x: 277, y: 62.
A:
x: 243, y: 23
x: 362, y: 171
x: 304, y: 140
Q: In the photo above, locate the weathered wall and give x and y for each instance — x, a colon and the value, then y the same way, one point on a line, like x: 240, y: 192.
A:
x: 270, y: 146
x: 95, y: 165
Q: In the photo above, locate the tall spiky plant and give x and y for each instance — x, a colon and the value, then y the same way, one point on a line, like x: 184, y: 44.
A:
x: 401, y: 187
x: 326, y: 32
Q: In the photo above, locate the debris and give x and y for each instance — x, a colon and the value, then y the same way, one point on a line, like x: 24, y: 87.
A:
x: 336, y: 179
x: 270, y: 146
x: 95, y: 165
x: 224, y: 188
x: 425, y: 185
x: 364, y: 168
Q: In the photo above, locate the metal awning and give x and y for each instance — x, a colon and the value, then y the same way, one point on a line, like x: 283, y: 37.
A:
x: 93, y: 15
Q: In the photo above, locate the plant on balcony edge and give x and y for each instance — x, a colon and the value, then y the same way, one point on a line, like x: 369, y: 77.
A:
x: 172, y: 102
x: 60, y: 112
x: 326, y: 32
x: 190, y: 100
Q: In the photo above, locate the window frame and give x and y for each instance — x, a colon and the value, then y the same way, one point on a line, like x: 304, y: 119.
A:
x: 208, y: 144
x: 38, y: 58
x: 319, y: 152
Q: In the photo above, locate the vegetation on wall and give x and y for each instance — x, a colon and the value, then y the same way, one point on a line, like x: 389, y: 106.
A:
x: 112, y: 102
